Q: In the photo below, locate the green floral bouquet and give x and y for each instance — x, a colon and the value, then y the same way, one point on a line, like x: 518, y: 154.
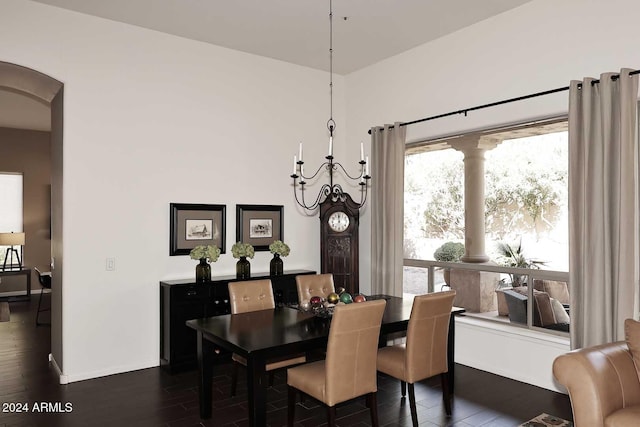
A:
x: 240, y: 249
x: 208, y: 252
x: 279, y: 247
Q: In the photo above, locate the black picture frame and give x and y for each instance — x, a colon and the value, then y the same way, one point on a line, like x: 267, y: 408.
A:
x: 193, y: 224
x: 259, y: 225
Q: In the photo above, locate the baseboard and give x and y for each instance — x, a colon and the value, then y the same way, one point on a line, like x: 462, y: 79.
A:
x: 62, y: 378
x: 110, y: 371
x: 23, y: 293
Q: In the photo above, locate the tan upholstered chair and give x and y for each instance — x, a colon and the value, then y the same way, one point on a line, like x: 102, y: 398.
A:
x: 603, y: 383
x: 310, y: 285
x: 255, y: 295
x: 349, y: 371
x: 425, y: 353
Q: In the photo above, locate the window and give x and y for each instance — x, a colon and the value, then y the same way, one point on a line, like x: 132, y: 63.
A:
x: 526, y: 217
x: 10, y: 207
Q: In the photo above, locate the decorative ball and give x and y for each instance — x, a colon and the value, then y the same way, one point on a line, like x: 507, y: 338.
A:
x: 315, y: 301
x: 340, y: 291
x: 345, y: 297
x: 304, y: 304
x: 359, y: 298
x: 333, y: 298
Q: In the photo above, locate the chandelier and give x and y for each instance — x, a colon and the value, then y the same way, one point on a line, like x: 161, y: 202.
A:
x: 329, y: 189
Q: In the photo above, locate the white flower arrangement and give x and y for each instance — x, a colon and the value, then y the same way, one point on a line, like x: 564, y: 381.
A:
x: 209, y: 252
x: 280, y: 248
x: 240, y: 249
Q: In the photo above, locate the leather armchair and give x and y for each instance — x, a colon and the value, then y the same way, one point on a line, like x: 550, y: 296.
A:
x: 310, y: 285
x: 603, y: 385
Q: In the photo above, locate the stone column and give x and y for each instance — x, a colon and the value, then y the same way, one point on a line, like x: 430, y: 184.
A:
x: 473, y: 148
x: 475, y: 289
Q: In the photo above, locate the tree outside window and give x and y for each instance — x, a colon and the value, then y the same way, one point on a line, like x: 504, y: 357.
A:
x: 525, y: 198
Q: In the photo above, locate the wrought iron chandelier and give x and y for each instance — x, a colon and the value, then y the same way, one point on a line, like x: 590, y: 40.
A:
x: 330, y: 189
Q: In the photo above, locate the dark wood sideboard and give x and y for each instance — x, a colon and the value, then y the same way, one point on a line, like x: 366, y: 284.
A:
x: 182, y: 300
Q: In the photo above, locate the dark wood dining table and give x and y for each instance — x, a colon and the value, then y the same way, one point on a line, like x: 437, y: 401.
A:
x: 264, y: 334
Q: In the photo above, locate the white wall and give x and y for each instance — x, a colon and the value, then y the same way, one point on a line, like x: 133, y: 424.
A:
x: 152, y: 119
x: 511, y: 352
x: 539, y: 46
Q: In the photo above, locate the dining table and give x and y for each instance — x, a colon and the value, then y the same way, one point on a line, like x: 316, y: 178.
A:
x: 265, y: 334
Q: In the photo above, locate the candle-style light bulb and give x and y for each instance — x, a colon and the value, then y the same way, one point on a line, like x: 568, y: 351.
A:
x: 361, y: 151
x: 295, y: 162
x: 331, y: 145
x: 367, y: 166
x: 300, y: 153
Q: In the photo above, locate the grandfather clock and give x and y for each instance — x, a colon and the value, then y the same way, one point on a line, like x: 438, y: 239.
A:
x: 339, y: 221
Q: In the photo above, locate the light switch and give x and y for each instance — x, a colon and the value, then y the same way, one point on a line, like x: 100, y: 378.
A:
x: 111, y: 264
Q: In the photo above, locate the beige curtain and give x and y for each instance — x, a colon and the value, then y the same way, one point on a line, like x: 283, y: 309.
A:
x: 387, y: 208
x: 603, y: 207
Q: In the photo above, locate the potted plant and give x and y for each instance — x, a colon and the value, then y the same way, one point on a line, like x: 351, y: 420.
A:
x: 279, y: 249
x: 449, y: 252
x: 206, y: 254
x: 243, y: 266
x: 512, y: 255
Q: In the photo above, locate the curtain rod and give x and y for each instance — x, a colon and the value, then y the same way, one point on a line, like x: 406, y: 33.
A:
x: 504, y: 101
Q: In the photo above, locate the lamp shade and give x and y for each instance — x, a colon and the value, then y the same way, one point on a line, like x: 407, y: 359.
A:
x: 11, y: 239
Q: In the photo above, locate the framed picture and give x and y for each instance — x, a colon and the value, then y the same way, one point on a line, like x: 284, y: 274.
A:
x: 259, y: 225
x: 196, y: 224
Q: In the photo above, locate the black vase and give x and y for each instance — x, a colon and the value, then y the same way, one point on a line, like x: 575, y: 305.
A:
x: 203, y: 271
x: 243, y: 268
x: 276, y: 267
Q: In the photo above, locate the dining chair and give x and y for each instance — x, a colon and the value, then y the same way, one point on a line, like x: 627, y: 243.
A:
x: 349, y: 370
x: 45, y: 282
x: 255, y: 295
x: 310, y: 285
x: 424, y: 354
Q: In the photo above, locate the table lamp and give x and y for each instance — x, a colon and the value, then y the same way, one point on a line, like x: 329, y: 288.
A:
x: 12, y: 239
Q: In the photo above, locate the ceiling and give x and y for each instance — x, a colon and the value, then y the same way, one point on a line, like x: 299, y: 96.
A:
x: 23, y: 112
x: 295, y: 31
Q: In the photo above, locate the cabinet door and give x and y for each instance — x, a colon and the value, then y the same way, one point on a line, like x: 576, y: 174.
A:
x: 183, y: 338
x: 218, y: 303
x: 187, y: 302
x: 217, y: 306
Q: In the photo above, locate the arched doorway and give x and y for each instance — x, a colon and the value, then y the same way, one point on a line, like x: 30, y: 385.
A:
x: 50, y: 91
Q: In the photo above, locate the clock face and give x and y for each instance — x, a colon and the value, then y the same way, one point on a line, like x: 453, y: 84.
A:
x: 339, y: 221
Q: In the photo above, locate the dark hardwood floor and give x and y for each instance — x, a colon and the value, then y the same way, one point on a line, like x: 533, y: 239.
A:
x: 151, y: 397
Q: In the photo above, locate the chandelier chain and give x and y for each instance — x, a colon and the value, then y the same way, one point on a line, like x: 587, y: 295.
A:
x: 331, y: 124
x: 331, y: 190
